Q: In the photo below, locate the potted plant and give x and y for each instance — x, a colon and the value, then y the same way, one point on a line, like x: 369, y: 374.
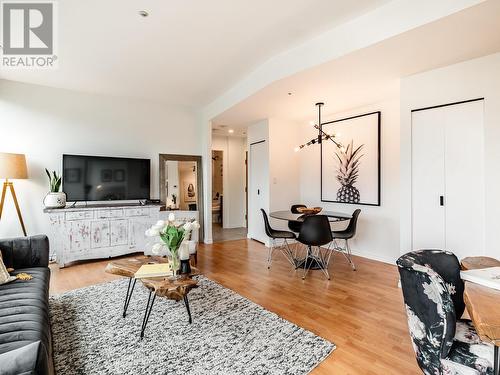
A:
x: 55, y: 198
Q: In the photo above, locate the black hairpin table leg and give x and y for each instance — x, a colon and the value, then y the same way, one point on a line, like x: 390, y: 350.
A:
x: 129, y: 295
x: 496, y: 364
x: 186, y: 302
x: 147, y: 313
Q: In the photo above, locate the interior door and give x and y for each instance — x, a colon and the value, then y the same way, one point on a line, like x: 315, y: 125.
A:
x: 428, y: 168
x: 448, y: 178
x: 258, y: 190
x: 464, y: 178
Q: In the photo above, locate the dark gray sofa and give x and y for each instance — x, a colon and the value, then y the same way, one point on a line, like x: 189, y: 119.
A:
x: 25, y: 338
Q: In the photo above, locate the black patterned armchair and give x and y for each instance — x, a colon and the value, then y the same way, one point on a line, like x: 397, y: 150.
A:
x: 433, y: 295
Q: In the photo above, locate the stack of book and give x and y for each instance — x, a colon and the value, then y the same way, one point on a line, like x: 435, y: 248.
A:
x: 153, y: 270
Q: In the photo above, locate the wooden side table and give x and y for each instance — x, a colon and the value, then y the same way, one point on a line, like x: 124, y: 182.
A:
x: 127, y: 268
x: 473, y: 263
x: 482, y: 305
x: 171, y: 289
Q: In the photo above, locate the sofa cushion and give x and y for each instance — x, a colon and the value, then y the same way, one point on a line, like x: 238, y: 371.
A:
x: 4, y: 275
x: 24, y: 312
x: 23, y: 360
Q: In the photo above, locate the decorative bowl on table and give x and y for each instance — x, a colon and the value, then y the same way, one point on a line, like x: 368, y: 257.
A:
x: 309, y: 210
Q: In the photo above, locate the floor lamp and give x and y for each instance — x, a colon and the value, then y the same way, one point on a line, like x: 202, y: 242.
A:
x: 12, y: 166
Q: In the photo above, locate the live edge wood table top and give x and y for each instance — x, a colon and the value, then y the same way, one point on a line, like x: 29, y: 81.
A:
x: 483, y: 303
x: 172, y: 289
x: 162, y: 286
x: 128, y: 267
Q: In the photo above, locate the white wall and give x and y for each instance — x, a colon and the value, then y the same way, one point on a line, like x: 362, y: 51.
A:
x: 255, y: 133
x: 233, y: 170
x: 284, y: 171
x: 378, y: 227
x: 468, y: 80
x: 44, y: 123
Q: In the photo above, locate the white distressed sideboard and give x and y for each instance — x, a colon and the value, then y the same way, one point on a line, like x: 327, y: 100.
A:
x: 94, y: 232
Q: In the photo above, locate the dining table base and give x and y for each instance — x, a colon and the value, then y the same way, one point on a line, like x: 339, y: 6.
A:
x: 311, y: 262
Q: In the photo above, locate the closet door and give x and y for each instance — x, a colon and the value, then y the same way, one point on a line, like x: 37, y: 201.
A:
x: 258, y: 190
x: 448, y: 162
x: 428, y: 181
x: 464, y: 178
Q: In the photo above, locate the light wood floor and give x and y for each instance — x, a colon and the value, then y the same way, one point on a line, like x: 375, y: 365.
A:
x: 361, y: 312
x: 220, y: 234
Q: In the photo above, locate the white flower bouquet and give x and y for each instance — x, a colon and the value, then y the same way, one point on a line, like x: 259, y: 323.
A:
x: 171, y: 234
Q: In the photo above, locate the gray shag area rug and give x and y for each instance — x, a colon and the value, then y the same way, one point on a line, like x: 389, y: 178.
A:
x: 229, y: 334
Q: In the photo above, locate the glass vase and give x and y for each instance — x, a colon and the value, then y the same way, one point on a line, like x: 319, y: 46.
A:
x: 175, y: 263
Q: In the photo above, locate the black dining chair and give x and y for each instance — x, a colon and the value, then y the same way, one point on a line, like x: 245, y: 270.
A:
x: 315, y: 233
x: 346, y: 235
x: 293, y: 225
x: 275, y: 235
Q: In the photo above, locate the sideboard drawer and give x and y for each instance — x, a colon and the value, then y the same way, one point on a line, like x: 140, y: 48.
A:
x: 79, y: 215
x: 116, y: 213
x: 109, y: 214
x: 136, y: 212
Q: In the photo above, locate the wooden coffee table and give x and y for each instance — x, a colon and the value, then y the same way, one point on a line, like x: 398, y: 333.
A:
x: 127, y: 268
x: 165, y: 287
x: 171, y: 289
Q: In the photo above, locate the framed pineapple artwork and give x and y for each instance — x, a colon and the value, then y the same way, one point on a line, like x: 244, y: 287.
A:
x: 351, y: 173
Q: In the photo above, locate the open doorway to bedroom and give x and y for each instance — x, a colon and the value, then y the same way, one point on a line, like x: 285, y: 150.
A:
x: 229, y: 181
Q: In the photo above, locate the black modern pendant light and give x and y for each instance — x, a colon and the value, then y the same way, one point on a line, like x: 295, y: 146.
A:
x: 322, y: 136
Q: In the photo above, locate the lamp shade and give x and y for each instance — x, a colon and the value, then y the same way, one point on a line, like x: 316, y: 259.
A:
x: 13, y: 166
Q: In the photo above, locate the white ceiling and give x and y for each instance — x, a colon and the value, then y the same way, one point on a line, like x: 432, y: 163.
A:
x: 187, y: 51
x: 372, y: 74
x: 228, y: 131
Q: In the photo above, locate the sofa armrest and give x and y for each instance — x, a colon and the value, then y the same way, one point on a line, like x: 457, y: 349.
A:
x: 24, y: 252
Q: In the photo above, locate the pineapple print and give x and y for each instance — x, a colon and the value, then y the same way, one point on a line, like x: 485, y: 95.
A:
x: 347, y: 173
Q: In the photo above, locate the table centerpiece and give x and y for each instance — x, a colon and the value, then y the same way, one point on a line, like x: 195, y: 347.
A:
x: 172, y: 235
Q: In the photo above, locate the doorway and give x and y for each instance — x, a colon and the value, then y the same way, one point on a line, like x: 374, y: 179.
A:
x: 181, y: 186
x: 228, y: 185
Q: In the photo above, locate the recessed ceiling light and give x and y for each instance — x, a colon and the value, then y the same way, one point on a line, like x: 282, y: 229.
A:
x: 231, y: 131
x: 143, y: 13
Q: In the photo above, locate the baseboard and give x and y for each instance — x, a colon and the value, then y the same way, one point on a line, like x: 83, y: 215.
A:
x: 363, y: 254
x: 372, y: 256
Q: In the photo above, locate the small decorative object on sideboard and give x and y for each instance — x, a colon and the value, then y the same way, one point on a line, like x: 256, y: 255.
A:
x: 171, y: 233
x: 55, y: 198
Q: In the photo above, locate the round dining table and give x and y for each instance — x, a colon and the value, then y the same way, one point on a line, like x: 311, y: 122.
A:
x: 333, y: 216
x: 289, y: 216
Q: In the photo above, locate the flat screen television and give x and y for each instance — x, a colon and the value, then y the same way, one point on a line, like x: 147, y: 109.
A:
x: 99, y: 178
